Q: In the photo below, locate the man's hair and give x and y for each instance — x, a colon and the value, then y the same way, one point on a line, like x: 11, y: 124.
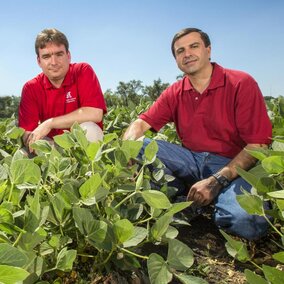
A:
x: 50, y: 35
x: 204, y: 36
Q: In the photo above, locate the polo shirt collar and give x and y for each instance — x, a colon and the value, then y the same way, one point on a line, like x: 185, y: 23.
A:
x: 66, y: 82
x: 217, y: 80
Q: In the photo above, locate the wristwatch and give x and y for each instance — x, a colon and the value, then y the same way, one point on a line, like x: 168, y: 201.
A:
x: 222, y: 180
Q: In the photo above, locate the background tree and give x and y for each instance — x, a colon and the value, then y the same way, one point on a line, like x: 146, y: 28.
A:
x: 9, y: 106
x: 130, y: 91
x: 156, y: 89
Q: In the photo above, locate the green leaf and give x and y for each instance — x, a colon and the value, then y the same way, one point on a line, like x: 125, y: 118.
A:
x: 150, y: 152
x: 123, y: 230
x: 236, y: 249
x: 139, y: 235
x: 10, y: 255
x: 29, y: 240
x: 253, y: 204
x: 156, y: 199
x: 6, y: 216
x: 180, y: 256
x: 89, y: 188
x: 161, y: 226
x: 259, y: 154
x: 92, y: 150
x: 189, y: 279
x: 12, y: 275
x: 273, y: 164
x: 109, y: 137
x: 3, y: 174
x: 253, y: 278
x: 132, y: 148
x: 253, y: 180
x: 42, y: 145
x: 65, y: 259
x: 94, y: 230
x: 158, y: 270
x: 64, y: 140
x: 277, y: 194
x: 81, y: 217
x: 171, y: 233
x: 25, y: 171
x: 15, y: 132
x: 120, y: 158
x: 279, y: 256
x: 79, y: 135
x: 273, y: 275
x: 31, y: 221
x: 177, y: 207
x: 139, y: 181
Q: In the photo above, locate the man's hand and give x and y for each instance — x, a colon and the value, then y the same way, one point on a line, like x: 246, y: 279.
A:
x: 40, y: 132
x: 203, y: 192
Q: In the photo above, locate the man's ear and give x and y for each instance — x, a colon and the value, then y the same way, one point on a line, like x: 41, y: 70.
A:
x: 69, y: 56
x: 38, y: 60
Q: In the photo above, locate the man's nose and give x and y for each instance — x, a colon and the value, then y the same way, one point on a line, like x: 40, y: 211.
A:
x: 53, y: 59
x: 188, y: 52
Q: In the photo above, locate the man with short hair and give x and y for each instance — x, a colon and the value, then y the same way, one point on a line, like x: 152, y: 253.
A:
x: 218, y: 113
x: 62, y: 94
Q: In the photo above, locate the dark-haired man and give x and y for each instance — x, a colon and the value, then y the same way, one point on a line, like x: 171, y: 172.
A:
x: 218, y: 113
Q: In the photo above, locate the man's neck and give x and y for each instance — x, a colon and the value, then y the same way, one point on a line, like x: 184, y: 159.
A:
x: 201, y: 80
x: 56, y: 83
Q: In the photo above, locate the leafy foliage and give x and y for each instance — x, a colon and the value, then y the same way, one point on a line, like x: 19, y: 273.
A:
x: 267, y: 179
x: 80, y: 200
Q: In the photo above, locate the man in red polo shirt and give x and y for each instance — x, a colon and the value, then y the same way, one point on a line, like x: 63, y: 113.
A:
x: 62, y: 94
x: 218, y: 114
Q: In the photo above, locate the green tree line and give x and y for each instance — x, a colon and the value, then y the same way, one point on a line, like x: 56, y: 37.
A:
x: 125, y: 93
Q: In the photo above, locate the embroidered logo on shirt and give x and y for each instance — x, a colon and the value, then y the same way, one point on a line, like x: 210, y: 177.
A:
x: 69, y: 98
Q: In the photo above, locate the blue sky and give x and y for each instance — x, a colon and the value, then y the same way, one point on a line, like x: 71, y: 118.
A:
x: 126, y: 40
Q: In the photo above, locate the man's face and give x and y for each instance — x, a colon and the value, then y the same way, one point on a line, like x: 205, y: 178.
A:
x: 192, y: 56
x: 54, y: 61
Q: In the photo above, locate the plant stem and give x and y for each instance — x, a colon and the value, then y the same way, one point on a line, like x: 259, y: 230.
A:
x: 107, y: 259
x: 86, y: 255
x: 11, y: 191
x: 134, y: 254
x: 145, y: 220
x: 123, y: 200
x: 257, y: 266
x: 276, y: 230
x: 18, y: 239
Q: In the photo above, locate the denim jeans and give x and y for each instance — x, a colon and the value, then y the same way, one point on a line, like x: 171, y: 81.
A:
x: 189, y: 167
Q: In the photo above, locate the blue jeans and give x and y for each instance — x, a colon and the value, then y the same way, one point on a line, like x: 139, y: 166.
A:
x: 189, y: 167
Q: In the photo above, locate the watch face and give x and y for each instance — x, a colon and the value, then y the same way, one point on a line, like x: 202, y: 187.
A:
x: 224, y: 181
x: 221, y: 179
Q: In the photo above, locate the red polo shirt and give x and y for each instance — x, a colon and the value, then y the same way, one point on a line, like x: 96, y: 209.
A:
x: 227, y: 116
x: 41, y: 100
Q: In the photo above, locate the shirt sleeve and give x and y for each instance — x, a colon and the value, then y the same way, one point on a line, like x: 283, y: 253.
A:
x: 89, y: 89
x: 28, y: 109
x: 252, y: 119
x: 161, y: 112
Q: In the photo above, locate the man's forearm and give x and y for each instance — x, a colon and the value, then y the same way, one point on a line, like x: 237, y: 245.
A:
x: 243, y: 160
x: 80, y: 115
x: 136, y: 129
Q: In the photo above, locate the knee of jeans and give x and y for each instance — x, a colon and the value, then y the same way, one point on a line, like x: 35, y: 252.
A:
x: 93, y: 131
x: 242, y: 224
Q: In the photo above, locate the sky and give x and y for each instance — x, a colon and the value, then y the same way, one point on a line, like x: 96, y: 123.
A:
x: 130, y: 40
